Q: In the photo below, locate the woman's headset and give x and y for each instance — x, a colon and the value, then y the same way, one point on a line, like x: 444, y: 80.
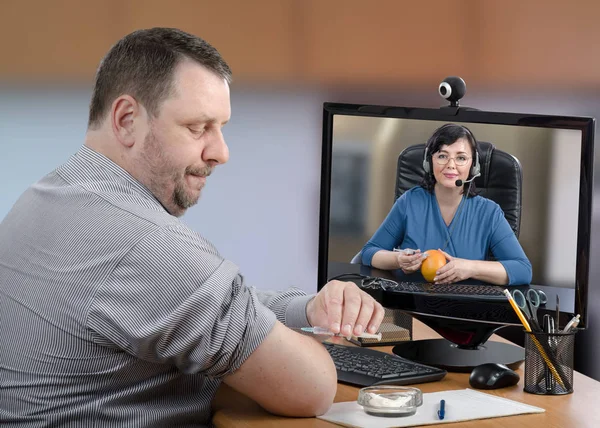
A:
x: 475, y: 168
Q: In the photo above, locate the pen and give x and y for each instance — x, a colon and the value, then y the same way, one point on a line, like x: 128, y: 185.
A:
x: 533, y: 338
x: 572, y: 324
x: 321, y: 330
x: 406, y: 251
x: 546, y: 375
x: 409, y: 252
x: 442, y: 411
x: 557, y: 313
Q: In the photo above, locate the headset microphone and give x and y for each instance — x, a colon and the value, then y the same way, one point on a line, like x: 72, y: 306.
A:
x: 462, y: 200
x: 460, y: 182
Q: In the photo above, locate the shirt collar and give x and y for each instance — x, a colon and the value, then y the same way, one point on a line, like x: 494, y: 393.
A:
x: 87, y: 154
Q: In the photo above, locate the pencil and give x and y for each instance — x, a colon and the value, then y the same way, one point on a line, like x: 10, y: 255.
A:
x: 533, y: 338
x: 517, y: 310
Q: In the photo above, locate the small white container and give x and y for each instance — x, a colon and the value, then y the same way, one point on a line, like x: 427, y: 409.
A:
x: 390, y: 400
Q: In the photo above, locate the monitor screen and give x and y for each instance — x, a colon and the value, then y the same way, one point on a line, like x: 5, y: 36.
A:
x: 361, y: 145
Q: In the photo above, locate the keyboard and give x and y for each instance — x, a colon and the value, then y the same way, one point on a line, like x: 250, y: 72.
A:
x: 480, y: 290
x: 366, y: 367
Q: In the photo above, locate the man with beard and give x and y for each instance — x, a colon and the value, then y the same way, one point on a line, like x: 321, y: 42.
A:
x: 113, y: 311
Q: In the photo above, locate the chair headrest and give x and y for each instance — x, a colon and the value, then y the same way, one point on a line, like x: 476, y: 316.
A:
x: 500, y: 180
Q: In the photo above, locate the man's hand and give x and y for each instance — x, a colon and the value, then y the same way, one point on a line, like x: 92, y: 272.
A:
x: 455, y: 270
x: 344, y: 308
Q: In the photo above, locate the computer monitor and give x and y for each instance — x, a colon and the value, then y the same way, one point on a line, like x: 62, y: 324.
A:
x: 361, y: 145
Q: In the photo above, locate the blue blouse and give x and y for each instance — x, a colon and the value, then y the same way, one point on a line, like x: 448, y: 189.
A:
x: 415, y: 221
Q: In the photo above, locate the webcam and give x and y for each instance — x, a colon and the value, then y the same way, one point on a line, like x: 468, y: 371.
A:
x: 452, y: 88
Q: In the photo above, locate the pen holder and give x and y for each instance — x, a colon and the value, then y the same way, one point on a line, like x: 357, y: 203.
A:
x: 549, y: 363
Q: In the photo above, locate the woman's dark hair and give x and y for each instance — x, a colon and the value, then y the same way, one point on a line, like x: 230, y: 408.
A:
x: 448, y: 134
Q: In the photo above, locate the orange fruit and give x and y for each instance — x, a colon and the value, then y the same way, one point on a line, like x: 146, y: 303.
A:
x: 435, y: 260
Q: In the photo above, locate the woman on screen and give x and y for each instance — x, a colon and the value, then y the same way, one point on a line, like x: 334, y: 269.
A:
x: 445, y: 213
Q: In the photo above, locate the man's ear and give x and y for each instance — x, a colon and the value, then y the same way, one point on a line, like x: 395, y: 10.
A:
x: 123, y: 114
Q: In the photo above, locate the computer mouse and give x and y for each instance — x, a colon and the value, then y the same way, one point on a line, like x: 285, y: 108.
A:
x: 493, y: 376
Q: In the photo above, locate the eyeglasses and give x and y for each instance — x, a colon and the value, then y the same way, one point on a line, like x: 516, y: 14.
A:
x: 369, y: 281
x: 378, y: 283
x: 443, y: 159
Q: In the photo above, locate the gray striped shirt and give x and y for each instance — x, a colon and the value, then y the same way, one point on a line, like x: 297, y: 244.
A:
x: 115, y: 314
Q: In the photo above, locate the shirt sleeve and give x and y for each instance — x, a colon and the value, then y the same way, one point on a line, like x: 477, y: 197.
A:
x: 390, y: 233
x: 289, y: 306
x: 174, y: 300
x: 506, y: 249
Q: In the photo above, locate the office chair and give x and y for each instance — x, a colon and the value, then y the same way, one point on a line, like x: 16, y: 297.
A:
x: 501, y: 178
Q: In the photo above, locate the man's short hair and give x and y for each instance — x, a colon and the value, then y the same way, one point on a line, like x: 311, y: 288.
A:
x: 142, y: 64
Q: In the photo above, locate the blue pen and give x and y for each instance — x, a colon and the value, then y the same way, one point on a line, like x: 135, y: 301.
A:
x: 442, y: 411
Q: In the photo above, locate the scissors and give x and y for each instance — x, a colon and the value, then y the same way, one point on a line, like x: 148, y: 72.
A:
x: 543, y: 297
x: 529, y: 305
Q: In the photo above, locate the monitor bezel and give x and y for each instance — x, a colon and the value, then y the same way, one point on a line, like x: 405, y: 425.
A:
x: 468, y: 115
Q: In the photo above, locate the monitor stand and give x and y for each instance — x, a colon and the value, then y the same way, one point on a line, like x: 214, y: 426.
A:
x: 467, y: 348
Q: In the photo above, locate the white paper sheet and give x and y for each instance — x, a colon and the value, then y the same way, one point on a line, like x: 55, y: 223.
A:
x: 461, y: 405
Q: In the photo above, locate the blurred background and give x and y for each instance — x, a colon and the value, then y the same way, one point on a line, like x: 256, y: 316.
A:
x: 288, y: 57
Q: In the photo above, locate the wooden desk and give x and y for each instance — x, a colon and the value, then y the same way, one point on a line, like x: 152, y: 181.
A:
x: 580, y: 409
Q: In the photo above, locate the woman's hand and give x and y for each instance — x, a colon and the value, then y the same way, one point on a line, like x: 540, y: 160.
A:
x: 455, y: 270
x: 410, y: 263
